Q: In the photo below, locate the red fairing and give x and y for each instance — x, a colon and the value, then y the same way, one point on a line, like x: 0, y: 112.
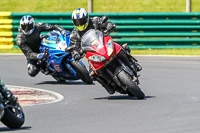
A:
x: 106, y: 39
x: 103, y: 52
x: 117, y: 48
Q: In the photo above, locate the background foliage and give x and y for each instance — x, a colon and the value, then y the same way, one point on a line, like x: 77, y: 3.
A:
x: 99, y: 5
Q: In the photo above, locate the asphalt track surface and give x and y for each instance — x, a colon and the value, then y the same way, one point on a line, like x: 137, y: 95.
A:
x: 172, y: 103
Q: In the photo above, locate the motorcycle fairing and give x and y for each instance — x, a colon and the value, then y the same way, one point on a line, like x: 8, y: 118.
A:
x: 58, y: 60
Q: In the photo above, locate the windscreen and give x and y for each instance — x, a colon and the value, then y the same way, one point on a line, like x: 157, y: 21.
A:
x: 92, y: 40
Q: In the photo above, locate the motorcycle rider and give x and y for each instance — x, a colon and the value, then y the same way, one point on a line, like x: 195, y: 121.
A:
x: 83, y: 23
x: 29, y: 40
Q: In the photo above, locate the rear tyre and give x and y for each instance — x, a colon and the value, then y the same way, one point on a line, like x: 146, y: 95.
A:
x: 82, y: 72
x: 133, y: 88
x: 13, y: 117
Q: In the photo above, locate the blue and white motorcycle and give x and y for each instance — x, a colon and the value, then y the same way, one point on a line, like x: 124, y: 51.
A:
x: 59, y: 64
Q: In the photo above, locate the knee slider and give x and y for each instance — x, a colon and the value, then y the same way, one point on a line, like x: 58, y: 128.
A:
x: 32, y: 70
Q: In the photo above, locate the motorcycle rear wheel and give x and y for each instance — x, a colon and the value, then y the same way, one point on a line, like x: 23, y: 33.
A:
x: 13, y: 117
x: 131, y: 85
x: 82, y: 72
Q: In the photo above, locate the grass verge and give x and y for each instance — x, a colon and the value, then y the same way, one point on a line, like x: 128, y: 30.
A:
x: 137, y: 51
x: 14, y: 50
x: 98, y: 5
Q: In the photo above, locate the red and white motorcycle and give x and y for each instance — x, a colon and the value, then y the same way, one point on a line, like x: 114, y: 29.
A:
x: 110, y: 65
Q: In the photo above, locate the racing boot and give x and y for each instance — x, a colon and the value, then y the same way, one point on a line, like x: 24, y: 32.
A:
x: 92, y: 73
x: 10, y: 97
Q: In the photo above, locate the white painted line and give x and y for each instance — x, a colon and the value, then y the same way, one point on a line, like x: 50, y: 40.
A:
x: 58, y: 96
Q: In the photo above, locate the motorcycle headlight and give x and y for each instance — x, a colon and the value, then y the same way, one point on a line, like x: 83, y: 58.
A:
x: 97, y: 58
x: 109, y: 46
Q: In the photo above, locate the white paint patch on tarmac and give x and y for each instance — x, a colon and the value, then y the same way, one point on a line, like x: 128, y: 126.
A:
x: 28, y: 96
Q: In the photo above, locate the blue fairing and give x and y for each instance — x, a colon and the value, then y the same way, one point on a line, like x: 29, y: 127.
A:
x: 58, y: 60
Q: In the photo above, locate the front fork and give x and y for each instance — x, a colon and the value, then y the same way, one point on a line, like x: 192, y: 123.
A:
x: 126, y: 66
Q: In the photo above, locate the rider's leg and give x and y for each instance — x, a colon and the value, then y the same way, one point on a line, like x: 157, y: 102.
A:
x: 131, y: 58
x: 2, y: 88
x: 33, y: 69
x: 122, y: 55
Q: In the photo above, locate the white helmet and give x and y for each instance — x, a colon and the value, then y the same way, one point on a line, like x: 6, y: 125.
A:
x: 27, y: 24
x: 80, y: 18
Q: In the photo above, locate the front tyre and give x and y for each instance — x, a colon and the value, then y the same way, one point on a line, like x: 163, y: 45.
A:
x: 82, y: 72
x: 133, y: 88
x: 13, y: 117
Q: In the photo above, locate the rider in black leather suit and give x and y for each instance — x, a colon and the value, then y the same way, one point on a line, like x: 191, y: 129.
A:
x: 94, y: 23
x: 29, y: 41
x: 83, y: 23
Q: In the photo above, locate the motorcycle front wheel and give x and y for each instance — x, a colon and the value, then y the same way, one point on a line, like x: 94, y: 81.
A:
x: 13, y: 117
x: 82, y: 72
x: 133, y: 88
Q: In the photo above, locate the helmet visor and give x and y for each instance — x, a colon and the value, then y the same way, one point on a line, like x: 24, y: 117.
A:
x: 27, y: 27
x: 81, y: 21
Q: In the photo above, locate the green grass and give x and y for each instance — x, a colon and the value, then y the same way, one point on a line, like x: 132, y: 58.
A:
x: 99, y: 5
x: 14, y: 50
x: 41, y: 5
x: 138, y: 52
x: 166, y: 52
x: 139, y: 6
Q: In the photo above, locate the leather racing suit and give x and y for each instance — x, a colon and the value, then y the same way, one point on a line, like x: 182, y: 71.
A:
x: 30, y: 44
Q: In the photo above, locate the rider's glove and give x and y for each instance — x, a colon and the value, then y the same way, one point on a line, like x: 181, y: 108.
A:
x: 75, y: 41
x: 65, y: 32
x: 110, y: 27
x: 40, y: 56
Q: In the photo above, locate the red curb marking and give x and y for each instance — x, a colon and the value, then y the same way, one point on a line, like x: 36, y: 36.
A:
x: 24, y: 93
x: 29, y: 96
